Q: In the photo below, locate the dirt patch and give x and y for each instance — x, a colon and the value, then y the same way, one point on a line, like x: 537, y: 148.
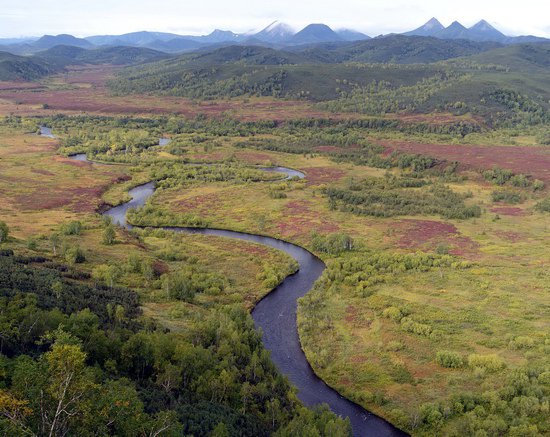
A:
x: 42, y: 172
x: 328, y: 149
x: 429, y: 234
x: 14, y: 85
x: 208, y: 157
x: 323, y: 175
x: 359, y: 359
x: 299, y: 219
x: 509, y: 210
x: 254, y: 157
x: 74, y: 163
x: 80, y: 199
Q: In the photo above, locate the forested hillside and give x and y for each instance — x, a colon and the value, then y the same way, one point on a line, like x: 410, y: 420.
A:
x: 79, y: 359
x: 502, y: 85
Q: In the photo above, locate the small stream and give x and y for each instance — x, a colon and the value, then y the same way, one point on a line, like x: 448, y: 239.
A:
x: 275, y: 314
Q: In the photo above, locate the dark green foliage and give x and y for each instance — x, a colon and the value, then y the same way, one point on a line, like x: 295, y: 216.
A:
x: 520, y: 408
x: 4, y: 232
x: 333, y: 244
x: 388, y: 197
x: 74, y: 255
x: 507, y: 196
x: 543, y: 205
x: 14, y: 67
x: 63, y: 55
x: 126, y: 378
x: 186, y: 282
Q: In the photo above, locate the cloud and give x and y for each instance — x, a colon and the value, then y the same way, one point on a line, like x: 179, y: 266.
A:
x: 86, y: 17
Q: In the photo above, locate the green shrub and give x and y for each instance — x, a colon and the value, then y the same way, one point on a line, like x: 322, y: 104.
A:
x: 74, y: 255
x: 393, y: 313
x: 449, y: 359
x: 394, y: 346
x: 333, y: 244
x: 490, y: 363
x: 109, y: 235
x: 507, y: 196
x: 4, y: 232
x: 543, y: 205
x: 409, y: 325
x: 72, y: 228
x: 522, y: 342
x: 538, y: 185
x: 134, y: 264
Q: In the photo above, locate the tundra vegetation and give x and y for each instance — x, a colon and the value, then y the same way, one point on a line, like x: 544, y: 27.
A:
x: 426, y: 195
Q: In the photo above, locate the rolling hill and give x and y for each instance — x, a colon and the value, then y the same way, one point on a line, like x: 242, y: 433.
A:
x: 392, y: 74
x: 69, y: 55
x: 13, y: 67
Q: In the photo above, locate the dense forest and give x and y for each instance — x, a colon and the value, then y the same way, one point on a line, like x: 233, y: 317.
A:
x: 79, y: 359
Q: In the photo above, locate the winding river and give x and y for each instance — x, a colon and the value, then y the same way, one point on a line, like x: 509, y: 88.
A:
x: 275, y: 314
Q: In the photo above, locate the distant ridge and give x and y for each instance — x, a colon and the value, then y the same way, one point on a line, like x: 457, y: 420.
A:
x: 431, y: 28
x: 352, y: 35
x: 481, y: 31
x: 276, y: 32
x: 275, y: 35
x: 315, y: 33
x: 49, y: 41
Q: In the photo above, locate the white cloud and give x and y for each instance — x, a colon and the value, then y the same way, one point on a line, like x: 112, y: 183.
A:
x: 86, y: 17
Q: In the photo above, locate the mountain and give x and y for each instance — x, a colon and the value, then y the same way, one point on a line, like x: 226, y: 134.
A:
x: 351, y: 35
x: 61, y: 55
x: 9, y: 41
x: 315, y: 33
x: 395, y: 49
x: 431, y: 28
x: 526, y: 39
x: 176, y: 45
x: 483, y: 31
x: 518, y: 57
x: 244, y: 55
x: 275, y: 33
x: 49, y: 41
x: 134, y: 39
x: 454, y: 31
x: 218, y: 36
x: 13, y: 67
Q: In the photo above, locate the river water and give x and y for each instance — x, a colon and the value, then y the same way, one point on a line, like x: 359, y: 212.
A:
x: 275, y: 314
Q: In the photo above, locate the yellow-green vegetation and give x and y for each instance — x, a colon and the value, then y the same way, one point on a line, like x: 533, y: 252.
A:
x: 436, y: 291
x: 122, y: 332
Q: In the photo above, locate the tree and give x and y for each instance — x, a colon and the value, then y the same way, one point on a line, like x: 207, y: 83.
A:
x: 55, y: 240
x: 15, y: 411
x: 109, y: 235
x: 108, y: 273
x: 220, y: 430
x: 74, y: 255
x: 4, y: 232
x: 69, y: 386
x: 57, y: 288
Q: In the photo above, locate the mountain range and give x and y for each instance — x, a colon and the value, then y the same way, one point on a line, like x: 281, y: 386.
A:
x: 276, y: 35
x: 481, y: 31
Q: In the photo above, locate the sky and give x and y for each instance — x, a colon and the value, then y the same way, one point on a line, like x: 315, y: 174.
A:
x: 373, y: 17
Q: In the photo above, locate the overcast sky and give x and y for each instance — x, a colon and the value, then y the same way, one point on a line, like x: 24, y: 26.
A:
x: 374, y: 17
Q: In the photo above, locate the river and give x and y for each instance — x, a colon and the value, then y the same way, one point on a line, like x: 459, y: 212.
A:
x: 275, y: 314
